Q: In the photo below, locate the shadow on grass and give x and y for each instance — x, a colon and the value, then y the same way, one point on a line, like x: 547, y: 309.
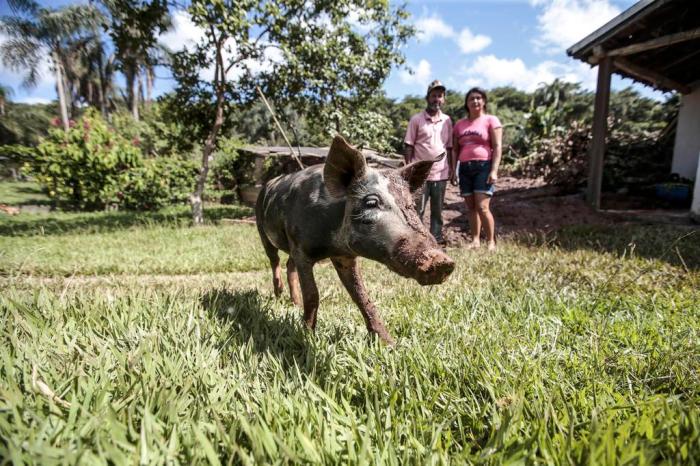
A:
x: 678, y: 245
x: 93, y: 222
x: 31, y: 196
x: 250, y: 318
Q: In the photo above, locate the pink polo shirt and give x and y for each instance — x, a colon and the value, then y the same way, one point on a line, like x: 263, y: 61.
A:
x: 430, y: 137
x: 474, y: 137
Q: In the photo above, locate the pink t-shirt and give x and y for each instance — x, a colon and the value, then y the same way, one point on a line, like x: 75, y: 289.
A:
x: 430, y: 137
x: 474, y: 137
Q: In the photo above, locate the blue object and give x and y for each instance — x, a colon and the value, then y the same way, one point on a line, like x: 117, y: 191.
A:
x: 673, y: 192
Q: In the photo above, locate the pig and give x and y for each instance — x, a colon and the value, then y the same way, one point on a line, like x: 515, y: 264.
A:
x: 343, y: 210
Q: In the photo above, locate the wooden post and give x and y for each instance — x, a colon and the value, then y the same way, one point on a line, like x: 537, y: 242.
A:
x: 600, y: 129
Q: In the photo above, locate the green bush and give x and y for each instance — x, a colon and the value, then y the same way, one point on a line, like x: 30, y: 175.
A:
x: 155, y: 184
x: 93, y: 167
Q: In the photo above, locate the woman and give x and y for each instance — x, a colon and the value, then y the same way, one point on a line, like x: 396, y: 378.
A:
x: 477, y: 145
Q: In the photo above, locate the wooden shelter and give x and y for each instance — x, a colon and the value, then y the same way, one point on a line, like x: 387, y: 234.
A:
x: 657, y: 43
x: 293, y: 160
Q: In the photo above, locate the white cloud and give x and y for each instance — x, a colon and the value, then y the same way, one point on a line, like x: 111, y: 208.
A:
x: 490, y: 71
x: 272, y: 55
x: 562, y: 23
x: 184, y: 34
x: 432, y: 26
x: 355, y: 19
x: 421, y: 76
x: 470, y: 43
x: 35, y: 100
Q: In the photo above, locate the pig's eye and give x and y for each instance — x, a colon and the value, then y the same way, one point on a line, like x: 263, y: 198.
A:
x: 371, y: 202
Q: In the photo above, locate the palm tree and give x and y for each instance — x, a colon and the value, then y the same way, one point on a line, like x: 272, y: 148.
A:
x: 5, y: 93
x: 37, y: 33
x: 134, y: 28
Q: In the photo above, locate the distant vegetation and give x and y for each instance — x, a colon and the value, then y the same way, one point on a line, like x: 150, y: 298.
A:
x: 547, y: 132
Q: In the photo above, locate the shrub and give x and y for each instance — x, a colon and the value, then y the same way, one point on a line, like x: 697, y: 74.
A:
x: 92, y: 167
x: 158, y: 182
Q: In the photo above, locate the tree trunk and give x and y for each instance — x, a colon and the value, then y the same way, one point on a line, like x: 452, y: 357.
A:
x: 135, y: 96
x: 101, y: 97
x: 61, y: 91
x: 131, y: 91
x: 210, y: 143
x: 149, y: 85
x: 207, y: 151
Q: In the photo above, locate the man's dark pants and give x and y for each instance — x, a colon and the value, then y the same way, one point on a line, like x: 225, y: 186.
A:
x: 435, y: 191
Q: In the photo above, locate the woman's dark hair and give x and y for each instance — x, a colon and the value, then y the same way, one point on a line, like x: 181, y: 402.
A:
x: 477, y: 90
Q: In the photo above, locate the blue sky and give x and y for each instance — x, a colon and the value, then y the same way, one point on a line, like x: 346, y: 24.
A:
x: 489, y: 43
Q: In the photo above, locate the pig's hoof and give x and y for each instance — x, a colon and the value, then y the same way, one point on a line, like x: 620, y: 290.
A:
x: 386, y: 339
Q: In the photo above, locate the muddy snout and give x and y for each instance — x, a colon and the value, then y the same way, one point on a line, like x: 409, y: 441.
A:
x: 425, y: 263
x: 435, y: 268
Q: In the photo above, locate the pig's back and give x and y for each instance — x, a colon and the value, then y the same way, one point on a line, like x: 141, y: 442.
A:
x: 297, y: 210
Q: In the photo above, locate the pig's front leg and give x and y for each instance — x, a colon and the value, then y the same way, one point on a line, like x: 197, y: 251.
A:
x: 309, y: 292
x: 349, y: 272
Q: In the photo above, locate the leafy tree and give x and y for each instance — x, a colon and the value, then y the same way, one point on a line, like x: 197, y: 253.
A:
x: 134, y: 29
x: 34, y: 30
x: 324, y: 58
x: 509, y: 97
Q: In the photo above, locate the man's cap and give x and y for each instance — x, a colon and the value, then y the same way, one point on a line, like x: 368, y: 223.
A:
x: 437, y: 84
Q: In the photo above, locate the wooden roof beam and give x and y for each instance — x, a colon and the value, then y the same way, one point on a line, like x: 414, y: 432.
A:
x: 649, y: 75
x: 680, y: 60
x: 655, y: 43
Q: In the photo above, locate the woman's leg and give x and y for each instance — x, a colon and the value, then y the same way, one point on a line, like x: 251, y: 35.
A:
x: 483, y: 208
x: 474, y: 220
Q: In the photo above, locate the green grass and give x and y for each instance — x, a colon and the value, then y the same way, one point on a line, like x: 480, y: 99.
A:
x: 148, y: 341
x: 22, y: 193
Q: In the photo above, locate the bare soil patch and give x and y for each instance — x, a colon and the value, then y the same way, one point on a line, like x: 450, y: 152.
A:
x: 521, y: 205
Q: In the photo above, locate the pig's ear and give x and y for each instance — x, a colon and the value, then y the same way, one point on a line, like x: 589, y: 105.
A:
x: 343, y: 165
x: 416, y: 173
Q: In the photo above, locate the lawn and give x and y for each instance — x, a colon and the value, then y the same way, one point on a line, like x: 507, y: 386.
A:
x: 20, y: 193
x: 139, y: 339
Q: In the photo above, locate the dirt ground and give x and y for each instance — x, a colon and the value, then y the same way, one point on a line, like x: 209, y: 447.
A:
x: 520, y: 205
x: 530, y: 205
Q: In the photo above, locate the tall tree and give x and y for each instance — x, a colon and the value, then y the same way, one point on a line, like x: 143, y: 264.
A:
x: 37, y: 33
x: 5, y: 93
x: 322, y: 57
x: 134, y: 29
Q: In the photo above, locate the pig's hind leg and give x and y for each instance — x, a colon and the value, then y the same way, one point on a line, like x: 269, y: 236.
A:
x: 349, y: 272
x: 293, y: 280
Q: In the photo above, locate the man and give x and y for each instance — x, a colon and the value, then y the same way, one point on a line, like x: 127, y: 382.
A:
x: 428, y: 136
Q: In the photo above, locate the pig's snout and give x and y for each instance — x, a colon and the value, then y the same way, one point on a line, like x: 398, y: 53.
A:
x: 427, y: 265
x: 436, y: 268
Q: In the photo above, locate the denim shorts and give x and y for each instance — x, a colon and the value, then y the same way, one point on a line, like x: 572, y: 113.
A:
x: 473, y: 178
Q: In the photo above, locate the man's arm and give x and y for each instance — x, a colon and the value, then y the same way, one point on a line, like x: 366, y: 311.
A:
x: 408, y: 153
x: 409, y: 140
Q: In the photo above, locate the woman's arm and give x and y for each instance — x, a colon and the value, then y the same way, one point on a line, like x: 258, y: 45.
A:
x: 453, y: 159
x: 497, y: 147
